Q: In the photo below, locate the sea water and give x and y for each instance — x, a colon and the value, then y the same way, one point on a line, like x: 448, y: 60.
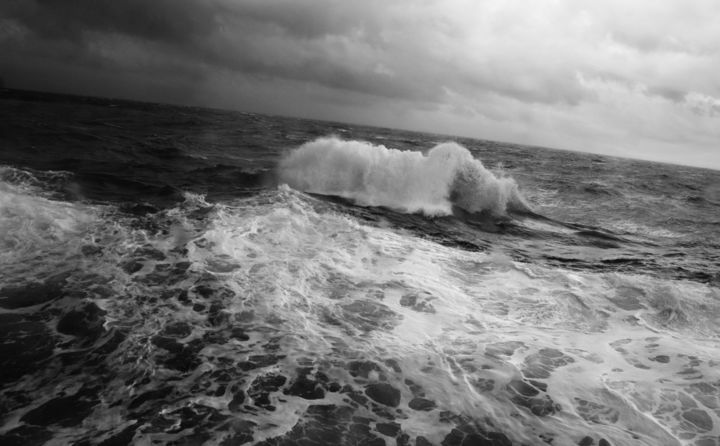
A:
x: 175, y: 275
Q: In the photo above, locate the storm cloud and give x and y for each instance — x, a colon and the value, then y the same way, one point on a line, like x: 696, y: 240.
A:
x: 626, y: 79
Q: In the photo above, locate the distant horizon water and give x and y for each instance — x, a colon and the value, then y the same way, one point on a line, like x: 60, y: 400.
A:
x: 134, y: 98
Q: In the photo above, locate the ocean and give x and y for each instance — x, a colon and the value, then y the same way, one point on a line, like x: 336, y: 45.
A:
x: 188, y: 276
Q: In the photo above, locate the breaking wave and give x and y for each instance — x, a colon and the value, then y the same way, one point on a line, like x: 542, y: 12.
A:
x: 433, y: 183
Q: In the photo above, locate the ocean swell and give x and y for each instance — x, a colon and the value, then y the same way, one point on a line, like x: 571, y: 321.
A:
x: 433, y: 183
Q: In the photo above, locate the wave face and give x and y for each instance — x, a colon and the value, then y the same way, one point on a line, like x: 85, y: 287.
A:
x: 408, y: 181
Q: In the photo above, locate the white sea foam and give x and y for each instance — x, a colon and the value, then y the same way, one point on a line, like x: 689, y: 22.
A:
x: 34, y: 230
x: 409, y: 181
x: 629, y: 358
x: 337, y: 289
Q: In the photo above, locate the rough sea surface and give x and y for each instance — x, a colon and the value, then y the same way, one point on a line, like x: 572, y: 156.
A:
x: 175, y: 275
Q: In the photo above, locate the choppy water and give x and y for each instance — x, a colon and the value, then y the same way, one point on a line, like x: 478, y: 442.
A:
x: 174, y: 275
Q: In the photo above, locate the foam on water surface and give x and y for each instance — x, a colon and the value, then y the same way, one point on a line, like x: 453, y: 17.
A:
x: 158, y: 288
x: 36, y: 230
x: 472, y: 333
x: 278, y: 317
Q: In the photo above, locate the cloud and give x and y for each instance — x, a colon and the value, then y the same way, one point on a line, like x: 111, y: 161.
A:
x: 335, y: 44
x: 551, y: 72
x: 669, y: 93
x: 163, y: 20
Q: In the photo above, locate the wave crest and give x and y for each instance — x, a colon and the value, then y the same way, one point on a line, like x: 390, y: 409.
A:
x: 434, y: 183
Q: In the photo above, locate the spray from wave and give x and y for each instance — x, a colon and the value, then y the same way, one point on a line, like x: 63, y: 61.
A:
x: 434, y: 183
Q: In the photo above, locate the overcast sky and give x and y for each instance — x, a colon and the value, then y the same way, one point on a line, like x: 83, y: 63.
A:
x: 636, y: 78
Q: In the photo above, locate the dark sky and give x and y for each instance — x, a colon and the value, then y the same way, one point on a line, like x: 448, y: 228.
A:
x: 637, y: 79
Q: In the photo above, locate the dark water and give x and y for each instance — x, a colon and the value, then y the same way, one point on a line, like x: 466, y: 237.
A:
x: 175, y: 275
